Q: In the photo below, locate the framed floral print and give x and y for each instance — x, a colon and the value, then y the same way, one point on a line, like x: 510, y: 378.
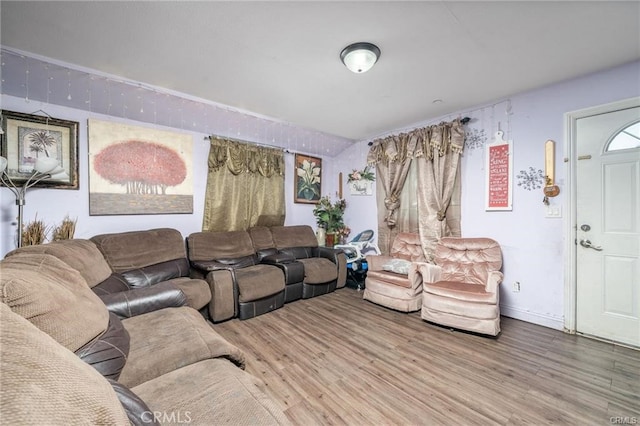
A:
x: 308, y: 179
x: 28, y: 137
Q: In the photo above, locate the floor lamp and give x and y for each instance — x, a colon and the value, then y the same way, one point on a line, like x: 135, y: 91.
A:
x: 43, y: 170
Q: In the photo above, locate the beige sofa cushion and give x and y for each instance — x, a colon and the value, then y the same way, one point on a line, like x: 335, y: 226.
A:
x: 230, y: 397
x: 196, y: 291
x: 81, y: 255
x: 261, y: 238
x: 219, y: 245
x: 54, y: 297
x: 258, y: 281
x: 319, y: 270
x: 125, y: 251
x: 294, y: 236
x: 42, y: 383
x: 169, y: 339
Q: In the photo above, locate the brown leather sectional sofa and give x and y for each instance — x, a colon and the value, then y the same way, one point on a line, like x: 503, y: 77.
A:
x: 256, y: 271
x: 106, y: 330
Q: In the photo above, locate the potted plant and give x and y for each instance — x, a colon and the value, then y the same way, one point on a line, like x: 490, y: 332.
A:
x: 330, y: 217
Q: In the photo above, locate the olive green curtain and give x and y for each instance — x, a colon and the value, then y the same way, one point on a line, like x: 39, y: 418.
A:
x: 245, y: 186
x: 419, y: 184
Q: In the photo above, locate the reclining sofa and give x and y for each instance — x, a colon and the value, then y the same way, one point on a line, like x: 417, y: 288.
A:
x: 325, y: 268
x: 150, y: 259
x: 256, y: 271
x: 240, y: 285
x: 67, y: 359
x: 132, y: 272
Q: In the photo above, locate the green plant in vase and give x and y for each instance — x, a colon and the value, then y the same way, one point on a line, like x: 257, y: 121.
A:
x: 330, y: 216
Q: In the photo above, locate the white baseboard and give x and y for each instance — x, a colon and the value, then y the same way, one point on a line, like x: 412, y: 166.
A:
x: 533, y: 317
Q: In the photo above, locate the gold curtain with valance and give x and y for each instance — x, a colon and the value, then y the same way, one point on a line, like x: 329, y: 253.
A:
x: 419, y: 187
x: 245, y: 186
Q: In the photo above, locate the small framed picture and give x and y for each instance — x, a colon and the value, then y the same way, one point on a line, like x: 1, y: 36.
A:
x: 28, y: 137
x: 308, y: 179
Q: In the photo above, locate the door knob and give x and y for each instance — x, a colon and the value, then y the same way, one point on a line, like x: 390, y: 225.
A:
x: 587, y: 244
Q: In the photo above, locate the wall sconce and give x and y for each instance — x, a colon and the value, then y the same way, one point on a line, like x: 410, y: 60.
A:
x: 44, y: 169
x: 550, y: 188
x: 360, y: 57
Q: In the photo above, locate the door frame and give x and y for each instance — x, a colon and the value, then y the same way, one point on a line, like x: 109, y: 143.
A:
x: 571, y: 228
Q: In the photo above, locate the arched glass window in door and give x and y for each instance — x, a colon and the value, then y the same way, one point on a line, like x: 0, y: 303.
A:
x: 627, y: 138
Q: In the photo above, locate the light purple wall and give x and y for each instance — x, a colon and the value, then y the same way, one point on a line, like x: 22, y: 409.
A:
x: 533, y: 245
x: 53, y: 205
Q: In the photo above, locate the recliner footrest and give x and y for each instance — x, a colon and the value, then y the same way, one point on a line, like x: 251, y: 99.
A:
x: 254, y: 308
x: 313, y: 290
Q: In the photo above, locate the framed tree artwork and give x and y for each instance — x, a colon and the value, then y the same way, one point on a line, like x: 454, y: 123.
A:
x: 138, y: 170
x: 308, y: 179
x: 28, y: 137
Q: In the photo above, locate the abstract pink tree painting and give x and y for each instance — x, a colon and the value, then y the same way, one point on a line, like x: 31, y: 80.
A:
x: 135, y: 170
x: 141, y: 167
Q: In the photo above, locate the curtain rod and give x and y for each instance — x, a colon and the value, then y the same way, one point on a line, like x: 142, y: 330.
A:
x: 266, y: 145
x: 464, y: 120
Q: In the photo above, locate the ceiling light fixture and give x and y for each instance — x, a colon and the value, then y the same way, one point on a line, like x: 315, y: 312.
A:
x: 360, y: 57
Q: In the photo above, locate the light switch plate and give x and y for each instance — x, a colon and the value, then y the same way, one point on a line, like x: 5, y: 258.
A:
x: 553, y: 211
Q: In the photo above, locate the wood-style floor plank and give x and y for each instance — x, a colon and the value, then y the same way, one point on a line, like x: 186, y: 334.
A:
x: 339, y: 360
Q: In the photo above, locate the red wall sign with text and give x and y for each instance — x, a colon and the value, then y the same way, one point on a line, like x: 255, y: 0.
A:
x: 499, y: 172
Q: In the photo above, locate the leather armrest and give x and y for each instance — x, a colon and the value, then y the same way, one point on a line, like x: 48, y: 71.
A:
x: 329, y: 253
x: 134, y: 302
x: 208, y: 265
x: 114, y: 284
x: 138, y: 413
x: 278, y: 258
x: 293, y: 271
x: 262, y: 253
x: 154, y: 274
x: 108, y: 352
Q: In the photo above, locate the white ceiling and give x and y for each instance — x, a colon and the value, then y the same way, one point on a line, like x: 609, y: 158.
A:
x: 281, y: 59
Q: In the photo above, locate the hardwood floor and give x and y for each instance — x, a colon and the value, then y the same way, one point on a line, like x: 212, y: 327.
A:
x: 336, y: 359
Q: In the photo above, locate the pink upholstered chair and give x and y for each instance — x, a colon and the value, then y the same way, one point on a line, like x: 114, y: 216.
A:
x: 461, y: 290
x: 394, y: 281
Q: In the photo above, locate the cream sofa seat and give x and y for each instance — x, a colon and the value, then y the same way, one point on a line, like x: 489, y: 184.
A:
x: 462, y: 289
x: 400, y: 290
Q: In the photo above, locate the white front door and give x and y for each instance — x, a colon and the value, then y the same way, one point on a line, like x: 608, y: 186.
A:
x: 608, y: 225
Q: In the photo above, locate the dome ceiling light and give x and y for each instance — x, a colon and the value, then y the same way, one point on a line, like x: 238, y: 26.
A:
x: 360, y: 57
